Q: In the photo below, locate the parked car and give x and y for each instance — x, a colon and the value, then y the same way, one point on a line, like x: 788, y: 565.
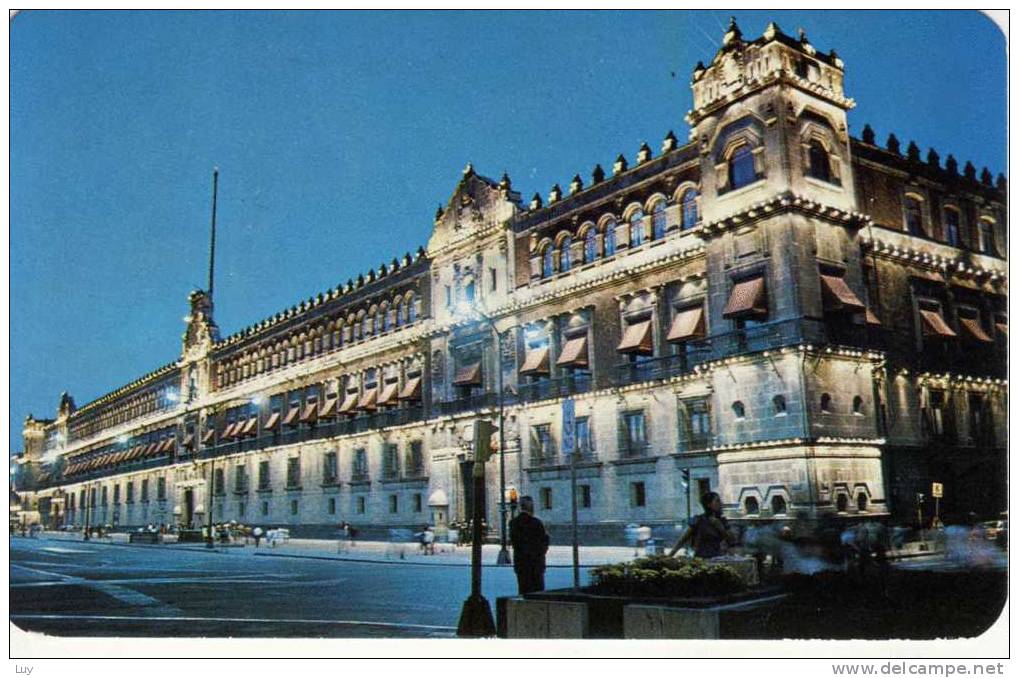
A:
x: 997, y: 530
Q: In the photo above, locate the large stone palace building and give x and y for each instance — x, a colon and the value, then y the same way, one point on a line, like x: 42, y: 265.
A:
x: 811, y: 323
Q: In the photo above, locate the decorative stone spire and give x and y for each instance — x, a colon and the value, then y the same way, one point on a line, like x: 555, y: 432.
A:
x: 577, y: 185
x: 733, y: 35
x: 952, y: 165
x: 893, y: 144
x: 619, y: 165
x: 1002, y: 184
x: 669, y: 143
x: 360, y: 280
x: 643, y: 154
x: 698, y: 70
x: 969, y: 171
x: 469, y: 169
x: 868, y: 134
x: 772, y: 30
x: 597, y: 175
x: 505, y: 184
x: 536, y: 202
x: 933, y: 159
x: 438, y: 212
x: 986, y: 178
x: 913, y: 152
x: 555, y: 195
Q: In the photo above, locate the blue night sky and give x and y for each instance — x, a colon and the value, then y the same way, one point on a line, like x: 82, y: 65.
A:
x: 338, y: 134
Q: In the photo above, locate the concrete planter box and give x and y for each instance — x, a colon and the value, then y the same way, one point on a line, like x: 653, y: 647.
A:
x: 144, y: 538
x: 566, y: 613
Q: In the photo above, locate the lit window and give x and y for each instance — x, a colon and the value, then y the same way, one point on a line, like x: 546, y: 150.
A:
x: 658, y: 220
x: 741, y: 168
x: 914, y: 216
x: 637, y: 229
x: 689, y: 203
x: 564, y: 254
x: 820, y: 166
x: 952, y: 223
x: 590, y: 246
x: 610, y: 238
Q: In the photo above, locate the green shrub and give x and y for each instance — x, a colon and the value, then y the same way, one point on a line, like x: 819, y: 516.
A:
x: 665, y: 577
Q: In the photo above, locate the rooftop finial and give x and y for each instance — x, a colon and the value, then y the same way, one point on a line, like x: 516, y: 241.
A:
x: 469, y: 170
x: 868, y: 134
x: 733, y: 34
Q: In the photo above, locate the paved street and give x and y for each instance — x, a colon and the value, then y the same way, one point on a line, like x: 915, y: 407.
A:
x: 70, y: 587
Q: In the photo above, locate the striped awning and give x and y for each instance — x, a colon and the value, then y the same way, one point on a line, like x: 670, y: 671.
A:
x: 189, y: 441
x: 934, y: 323
x: 229, y: 431
x: 838, y: 296
x: 1002, y: 327
x: 209, y: 435
x: 637, y: 339
x: 574, y: 353
x: 688, y: 324
x: 349, y: 404
x: 747, y: 299
x: 328, y: 409
x: 388, y: 395
x: 871, y: 318
x: 310, y: 412
x: 250, y: 427
x: 468, y: 375
x: 291, y: 418
x: 411, y: 390
x: 367, y: 402
x: 536, y: 361
x: 272, y: 422
x: 974, y: 330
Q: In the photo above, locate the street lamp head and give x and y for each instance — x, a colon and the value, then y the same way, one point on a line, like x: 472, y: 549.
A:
x: 256, y: 400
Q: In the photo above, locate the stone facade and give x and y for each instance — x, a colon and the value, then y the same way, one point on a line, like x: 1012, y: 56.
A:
x: 807, y: 322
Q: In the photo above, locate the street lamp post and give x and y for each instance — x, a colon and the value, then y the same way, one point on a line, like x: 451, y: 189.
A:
x: 88, y: 505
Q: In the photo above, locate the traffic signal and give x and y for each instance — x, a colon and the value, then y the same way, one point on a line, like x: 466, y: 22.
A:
x: 484, y: 431
x: 686, y: 477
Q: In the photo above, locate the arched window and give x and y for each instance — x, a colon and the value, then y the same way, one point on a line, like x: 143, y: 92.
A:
x: 778, y: 505
x: 914, y: 216
x: 382, y: 319
x: 861, y: 502
x: 547, y: 265
x: 658, y: 220
x: 367, y: 325
x: 825, y: 403
x: 410, y: 309
x: 778, y: 402
x: 741, y: 168
x: 858, y: 406
x: 689, y: 203
x: 398, y: 316
x: 985, y: 234
x: 952, y: 224
x: 564, y: 254
x: 610, y: 237
x: 820, y: 165
x: 751, y: 507
x: 842, y: 502
x: 637, y: 229
x: 739, y: 410
x: 590, y: 245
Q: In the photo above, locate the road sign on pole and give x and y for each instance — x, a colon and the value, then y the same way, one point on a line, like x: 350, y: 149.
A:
x: 937, y: 490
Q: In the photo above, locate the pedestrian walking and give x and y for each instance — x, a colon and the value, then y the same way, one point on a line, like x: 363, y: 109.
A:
x: 257, y: 534
x: 530, y: 544
x: 709, y: 532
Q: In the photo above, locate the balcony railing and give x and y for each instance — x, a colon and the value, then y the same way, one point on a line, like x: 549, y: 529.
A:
x: 543, y: 389
x: 474, y: 401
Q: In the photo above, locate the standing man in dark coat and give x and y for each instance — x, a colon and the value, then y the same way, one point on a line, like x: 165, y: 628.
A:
x: 530, y: 543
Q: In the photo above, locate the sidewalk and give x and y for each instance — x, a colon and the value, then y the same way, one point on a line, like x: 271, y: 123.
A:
x: 379, y: 551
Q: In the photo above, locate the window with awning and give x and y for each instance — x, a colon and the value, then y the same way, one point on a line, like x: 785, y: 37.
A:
x: 310, y: 413
x: 250, y: 427
x: 388, y: 395
x: 228, y: 432
x: 973, y: 330
x: 871, y: 318
x: 934, y: 323
x: 328, y: 409
x: 468, y: 375
x: 368, y: 400
x: 272, y: 422
x: 1002, y: 326
x: 536, y: 362
x: 838, y: 296
x: 349, y: 404
x: 412, y: 389
x: 189, y: 441
x: 291, y: 418
x: 209, y: 435
x: 574, y: 353
x: 688, y: 325
x: 748, y: 299
x: 637, y: 339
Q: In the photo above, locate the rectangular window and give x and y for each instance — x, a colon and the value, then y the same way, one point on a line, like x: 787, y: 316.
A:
x: 359, y: 504
x: 390, y: 461
x: 415, y: 461
x: 331, y: 506
x: 263, y: 475
x: 546, y: 498
x: 329, y: 468
x: 449, y: 297
x: 293, y: 507
x: 116, y: 494
x: 585, y: 442
x: 105, y: 496
x: 936, y: 413
x: 394, y: 503
x: 360, y: 465
x: 145, y: 489
x: 241, y: 508
x: 417, y: 503
x: 694, y: 424
x: 161, y: 489
x: 294, y: 472
x: 492, y: 279
x: 637, y: 498
x: 584, y: 499
x: 543, y: 446
x: 129, y: 492
x: 240, y: 479
x: 219, y: 482
x: 979, y: 418
x: 265, y: 508
x: 634, y: 435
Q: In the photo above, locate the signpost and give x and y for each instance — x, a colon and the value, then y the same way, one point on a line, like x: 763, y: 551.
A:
x: 476, y: 617
x: 570, y: 447
x: 937, y: 491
